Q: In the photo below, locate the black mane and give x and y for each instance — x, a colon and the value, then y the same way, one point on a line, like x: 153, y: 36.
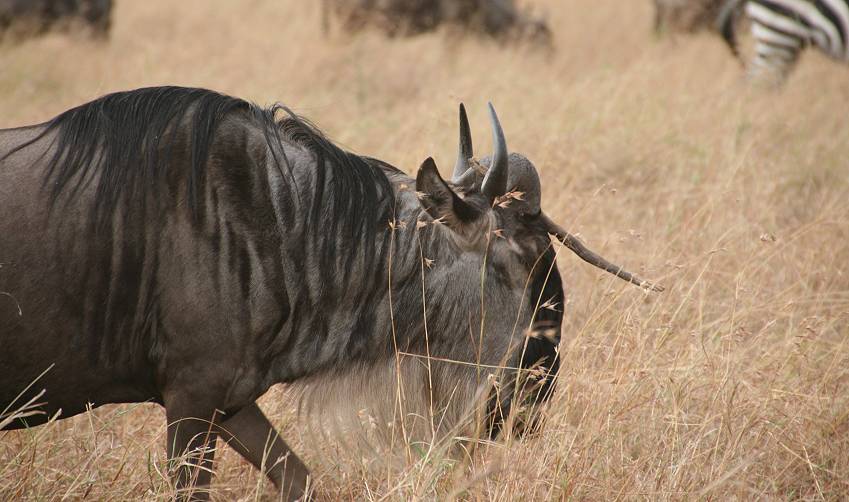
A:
x: 126, y: 139
x: 120, y: 148
x: 120, y: 138
x: 360, y: 197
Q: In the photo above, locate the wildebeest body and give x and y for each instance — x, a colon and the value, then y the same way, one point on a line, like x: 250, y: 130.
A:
x: 148, y: 269
x: 240, y: 276
x: 99, y: 298
x: 188, y: 248
x: 47, y: 302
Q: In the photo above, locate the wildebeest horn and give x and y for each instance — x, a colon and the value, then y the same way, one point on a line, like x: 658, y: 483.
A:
x: 495, y: 182
x: 465, y: 150
x: 592, y: 258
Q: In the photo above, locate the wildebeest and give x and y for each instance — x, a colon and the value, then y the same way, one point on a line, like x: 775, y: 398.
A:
x: 188, y: 248
x: 500, y: 19
x: 20, y: 19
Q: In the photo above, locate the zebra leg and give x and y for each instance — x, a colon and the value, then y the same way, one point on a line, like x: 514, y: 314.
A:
x: 251, y: 434
x: 778, y: 40
x: 771, y: 63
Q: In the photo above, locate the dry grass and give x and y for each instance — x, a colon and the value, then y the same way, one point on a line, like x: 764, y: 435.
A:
x: 730, y: 385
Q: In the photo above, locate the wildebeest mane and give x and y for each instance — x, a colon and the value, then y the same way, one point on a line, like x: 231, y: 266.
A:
x: 359, y: 197
x: 122, y: 145
x: 125, y: 141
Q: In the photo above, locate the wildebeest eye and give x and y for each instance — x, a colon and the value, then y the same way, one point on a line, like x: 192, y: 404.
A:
x: 530, y: 220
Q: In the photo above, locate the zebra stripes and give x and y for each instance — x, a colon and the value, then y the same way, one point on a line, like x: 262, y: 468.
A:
x: 782, y: 28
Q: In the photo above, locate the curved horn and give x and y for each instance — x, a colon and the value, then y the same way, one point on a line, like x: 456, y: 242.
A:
x: 465, y: 150
x: 591, y: 257
x: 495, y: 182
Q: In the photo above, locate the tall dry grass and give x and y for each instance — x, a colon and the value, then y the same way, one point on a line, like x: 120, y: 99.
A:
x: 730, y: 385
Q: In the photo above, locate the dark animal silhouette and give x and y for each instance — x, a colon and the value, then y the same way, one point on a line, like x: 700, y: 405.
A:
x: 499, y: 19
x: 188, y: 248
x: 20, y: 19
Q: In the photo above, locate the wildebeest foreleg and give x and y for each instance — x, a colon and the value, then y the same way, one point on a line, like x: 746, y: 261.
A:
x: 191, y: 449
x: 251, y: 434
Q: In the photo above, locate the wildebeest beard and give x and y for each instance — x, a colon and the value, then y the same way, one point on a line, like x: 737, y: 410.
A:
x: 188, y: 248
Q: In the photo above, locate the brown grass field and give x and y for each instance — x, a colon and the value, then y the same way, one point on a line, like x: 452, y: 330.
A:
x: 733, y: 384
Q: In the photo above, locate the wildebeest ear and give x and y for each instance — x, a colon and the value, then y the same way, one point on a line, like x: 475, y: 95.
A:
x: 438, y: 199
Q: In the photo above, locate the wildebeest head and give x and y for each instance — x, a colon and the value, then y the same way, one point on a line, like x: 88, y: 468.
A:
x: 492, y: 208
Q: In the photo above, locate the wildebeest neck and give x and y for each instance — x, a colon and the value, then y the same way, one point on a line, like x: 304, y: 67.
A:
x: 419, y: 278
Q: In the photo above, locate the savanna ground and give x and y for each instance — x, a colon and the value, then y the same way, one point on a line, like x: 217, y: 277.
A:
x: 732, y: 384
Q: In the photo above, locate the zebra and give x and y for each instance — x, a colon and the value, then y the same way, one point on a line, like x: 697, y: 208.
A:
x: 782, y: 28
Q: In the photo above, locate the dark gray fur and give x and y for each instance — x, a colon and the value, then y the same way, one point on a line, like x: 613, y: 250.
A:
x: 225, y: 250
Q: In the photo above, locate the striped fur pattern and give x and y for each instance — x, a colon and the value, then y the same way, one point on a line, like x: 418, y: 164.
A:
x: 781, y: 29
